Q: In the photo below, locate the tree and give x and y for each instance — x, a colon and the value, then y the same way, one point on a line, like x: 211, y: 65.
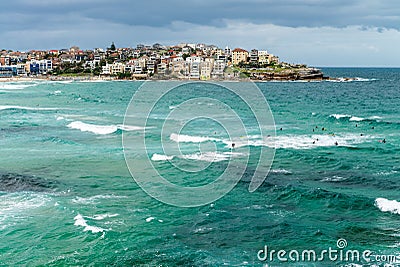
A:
x: 185, y: 56
x: 112, y: 47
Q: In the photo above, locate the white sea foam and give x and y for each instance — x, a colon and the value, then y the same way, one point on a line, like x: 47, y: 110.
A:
x: 150, y: 219
x: 60, y: 118
x: 339, y: 116
x: 5, y: 107
x: 387, y: 205
x: 182, y: 138
x: 309, y: 142
x: 92, y: 81
x: 101, y: 129
x: 385, y: 173
x: 354, y: 118
x: 129, y: 128
x: 96, y: 129
x: 283, y: 141
x: 63, y: 82
x: 280, y: 171
x: 94, y: 199
x: 16, y: 86
x: 19, y: 205
x: 243, y: 142
x: 212, y: 156
x: 347, y: 80
x: 335, y: 178
x: 375, y: 118
x: 99, y: 217
x: 159, y: 157
x: 358, y: 79
x: 20, y: 202
x: 80, y: 221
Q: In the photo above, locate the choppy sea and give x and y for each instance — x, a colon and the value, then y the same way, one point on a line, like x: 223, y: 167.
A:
x: 67, y: 196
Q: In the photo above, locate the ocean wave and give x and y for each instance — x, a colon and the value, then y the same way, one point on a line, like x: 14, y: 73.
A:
x: 99, y: 217
x: 347, y: 80
x: 335, y: 178
x: 17, y: 202
x: 212, y: 156
x: 251, y: 140
x: 340, y: 116
x: 386, y: 173
x: 92, y: 81
x: 182, y: 138
x: 8, y: 107
x: 151, y: 218
x: 283, y: 141
x: 309, y: 142
x: 101, y: 129
x: 94, y: 199
x: 18, y: 205
x: 387, y: 205
x: 80, y: 221
x: 16, y: 86
x: 354, y: 118
x: 280, y: 171
x: 159, y: 157
x: 96, y: 129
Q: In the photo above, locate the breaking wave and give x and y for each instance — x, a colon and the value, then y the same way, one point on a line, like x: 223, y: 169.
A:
x: 387, y: 205
x: 101, y: 129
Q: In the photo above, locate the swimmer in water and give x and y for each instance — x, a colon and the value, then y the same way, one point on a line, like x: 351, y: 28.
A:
x: 233, y: 145
x: 336, y: 143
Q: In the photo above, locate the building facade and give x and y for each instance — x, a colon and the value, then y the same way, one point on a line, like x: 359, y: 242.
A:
x: 239, y: 55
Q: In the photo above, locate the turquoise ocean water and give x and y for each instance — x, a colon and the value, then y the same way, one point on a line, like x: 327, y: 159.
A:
x: 67, y: 197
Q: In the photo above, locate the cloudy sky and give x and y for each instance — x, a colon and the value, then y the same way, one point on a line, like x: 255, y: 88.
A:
x: 315, y: 32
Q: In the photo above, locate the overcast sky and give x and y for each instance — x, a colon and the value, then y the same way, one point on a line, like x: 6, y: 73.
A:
x: 315, y: 32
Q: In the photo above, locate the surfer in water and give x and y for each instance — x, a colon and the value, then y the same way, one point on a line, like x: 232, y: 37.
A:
x: 233, y: 145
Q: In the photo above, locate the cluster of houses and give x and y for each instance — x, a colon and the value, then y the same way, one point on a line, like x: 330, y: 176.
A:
x: 190, y: 61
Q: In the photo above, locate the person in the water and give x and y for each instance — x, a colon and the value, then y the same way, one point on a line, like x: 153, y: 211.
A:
x: 233, y: 145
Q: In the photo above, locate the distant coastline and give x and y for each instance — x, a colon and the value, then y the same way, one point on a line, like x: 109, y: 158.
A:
x: 309, y: 74
x: 183, y: 61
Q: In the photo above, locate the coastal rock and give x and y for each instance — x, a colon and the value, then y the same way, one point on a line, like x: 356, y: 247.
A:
x: 288, y: 75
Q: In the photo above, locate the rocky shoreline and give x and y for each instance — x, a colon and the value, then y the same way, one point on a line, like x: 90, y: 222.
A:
x: 257, y: 75
x: 288, y: 75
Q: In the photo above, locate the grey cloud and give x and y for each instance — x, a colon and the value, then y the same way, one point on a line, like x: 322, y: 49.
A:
x: 303, y: 31
x: 292, y: 13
